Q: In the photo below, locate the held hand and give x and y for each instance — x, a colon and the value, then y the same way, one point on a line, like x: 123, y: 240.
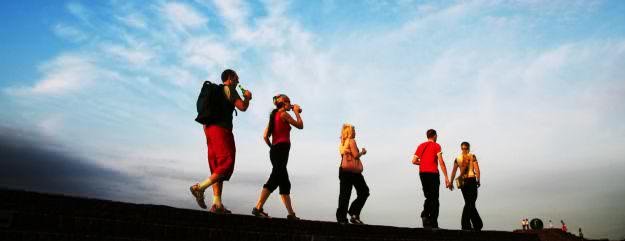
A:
x: 417, y: 162
x: 447, y: 183
x: 297, y: 109
x: 451, y: 187
x: 247, y: 95
x: 364, y: 151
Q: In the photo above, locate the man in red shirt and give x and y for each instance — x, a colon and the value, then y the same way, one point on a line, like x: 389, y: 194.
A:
x: 427, y: 156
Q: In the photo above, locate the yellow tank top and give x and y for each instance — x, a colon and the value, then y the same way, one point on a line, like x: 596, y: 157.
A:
x: 471, y: 159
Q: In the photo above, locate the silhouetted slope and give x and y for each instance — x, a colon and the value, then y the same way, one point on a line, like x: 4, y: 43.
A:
x: 35, y: 216
x: 552, y: 234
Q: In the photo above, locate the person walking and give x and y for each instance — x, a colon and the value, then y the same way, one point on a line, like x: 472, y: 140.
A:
x: 279, y: 129
x: 350, y: 175
x: 428, y: 155
x: 220, y: 140
x: 469, y: 168
x: 581, y: 235
x: 564, y: 229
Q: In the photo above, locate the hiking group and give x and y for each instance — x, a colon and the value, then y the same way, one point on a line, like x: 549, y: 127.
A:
x: 215, y: 106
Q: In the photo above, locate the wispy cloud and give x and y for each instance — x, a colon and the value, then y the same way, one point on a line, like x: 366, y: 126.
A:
x: 67, y: 73
x: 70, y: 33
x: 183, y: 16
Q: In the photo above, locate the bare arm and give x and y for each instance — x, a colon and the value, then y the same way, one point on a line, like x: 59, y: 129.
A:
x: 353, y: 147
x: 443, y: 167
x: 453, y: 175
x: 266, y: 136
x: 476, y: 169
x: 242, y: 104
x: 416, y: 160
x: 453, y: 172
x: 299, y: 123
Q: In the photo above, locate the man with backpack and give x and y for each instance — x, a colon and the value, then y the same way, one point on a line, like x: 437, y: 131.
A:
x: 427, y: 156
x: 215, y: 106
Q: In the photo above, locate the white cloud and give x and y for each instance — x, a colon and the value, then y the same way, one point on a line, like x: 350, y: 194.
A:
x: 135, y: 56
x: 206, y: 52
x: 67, y: 73
x: 183, y: 16
x: 134, y: 21
x: 79, y: 11
x: 69, y: 32
x: 51, y: 125
x: 235, y: 14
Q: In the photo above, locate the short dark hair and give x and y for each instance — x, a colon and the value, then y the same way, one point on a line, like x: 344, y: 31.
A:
x: 227, y: 74
x: 464, y: 143
x: 430, y: 133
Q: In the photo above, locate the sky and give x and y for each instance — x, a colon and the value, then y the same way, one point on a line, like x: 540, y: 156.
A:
x: 98, y: 99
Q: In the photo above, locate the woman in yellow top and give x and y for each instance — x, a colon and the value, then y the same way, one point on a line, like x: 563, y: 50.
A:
x: 470, y: 170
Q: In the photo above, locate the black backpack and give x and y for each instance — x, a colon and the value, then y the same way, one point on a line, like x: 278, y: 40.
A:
x: 209, y: 108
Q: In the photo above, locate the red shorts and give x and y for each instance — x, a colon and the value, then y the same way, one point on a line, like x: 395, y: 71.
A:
x: 221, y: 150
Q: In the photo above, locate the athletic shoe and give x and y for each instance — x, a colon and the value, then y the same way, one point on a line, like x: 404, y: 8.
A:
x: 426, y: 223
x: 199, y: 195
x: 355, y: 220
x: 219, y: 210
x: 226, y: 211
x: 292, y: 217
x: 260, y: 213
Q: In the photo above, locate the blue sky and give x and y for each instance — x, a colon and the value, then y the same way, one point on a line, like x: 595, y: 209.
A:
x: 537, y: 87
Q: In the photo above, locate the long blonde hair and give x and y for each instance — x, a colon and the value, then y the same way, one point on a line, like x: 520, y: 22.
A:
x: 347, y: 132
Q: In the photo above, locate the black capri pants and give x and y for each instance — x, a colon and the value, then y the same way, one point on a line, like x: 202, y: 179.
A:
x: 279, y: 177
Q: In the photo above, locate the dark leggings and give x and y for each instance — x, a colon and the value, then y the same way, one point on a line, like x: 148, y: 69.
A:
x: 431, y: 183
x: 349, y: 179
x: 279, y: 155
x: 469, y: 213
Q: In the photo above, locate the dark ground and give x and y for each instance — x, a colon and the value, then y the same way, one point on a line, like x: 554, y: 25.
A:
x: 36, y: 216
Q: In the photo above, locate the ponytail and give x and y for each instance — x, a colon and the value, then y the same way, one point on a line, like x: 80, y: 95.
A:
x: 272, y: 116
x: 272, y: 120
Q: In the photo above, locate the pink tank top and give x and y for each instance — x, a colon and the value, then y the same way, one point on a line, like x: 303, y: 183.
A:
x: 281, y: 130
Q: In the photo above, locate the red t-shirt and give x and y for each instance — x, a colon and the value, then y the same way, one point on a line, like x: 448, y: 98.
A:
x: 428, y: 152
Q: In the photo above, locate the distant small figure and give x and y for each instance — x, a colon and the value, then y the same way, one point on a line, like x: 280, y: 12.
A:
x: 581, y: 235
x: 564, y: 229
x: 550, y: 224
x: 525, y: 224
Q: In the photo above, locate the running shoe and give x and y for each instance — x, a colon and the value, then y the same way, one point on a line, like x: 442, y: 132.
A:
x: 219, y: 210
x: 342, y: 221
x: 199, y: 195
x: 259, y: 213
x: 427, y: 224
x: 355, y: 220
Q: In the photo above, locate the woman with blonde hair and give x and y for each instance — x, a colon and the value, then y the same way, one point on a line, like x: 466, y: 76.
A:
x: 350, y: 175
x: 469, y: 176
